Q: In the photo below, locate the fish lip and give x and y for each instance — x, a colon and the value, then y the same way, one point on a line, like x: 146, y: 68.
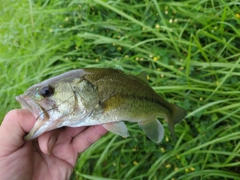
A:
x: 38, y: 112
x: 31, y: 105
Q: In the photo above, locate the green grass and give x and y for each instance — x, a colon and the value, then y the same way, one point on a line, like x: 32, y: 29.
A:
x: 189, y: 49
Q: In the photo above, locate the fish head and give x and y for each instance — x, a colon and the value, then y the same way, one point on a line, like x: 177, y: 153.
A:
x: 49, y: 102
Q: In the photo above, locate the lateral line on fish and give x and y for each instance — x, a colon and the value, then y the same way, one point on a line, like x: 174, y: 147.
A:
x: 143, y: 98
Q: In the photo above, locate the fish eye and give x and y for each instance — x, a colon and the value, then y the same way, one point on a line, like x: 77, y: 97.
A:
x: 46, y: 91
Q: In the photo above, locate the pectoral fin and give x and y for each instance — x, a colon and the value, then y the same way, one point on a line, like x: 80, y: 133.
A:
x: 118, y: 128
x: 153, y: 129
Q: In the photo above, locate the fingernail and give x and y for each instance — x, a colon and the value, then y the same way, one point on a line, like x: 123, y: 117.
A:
x: 52, y: 141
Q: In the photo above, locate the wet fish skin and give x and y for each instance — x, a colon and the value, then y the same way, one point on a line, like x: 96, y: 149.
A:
x: 104, y: 96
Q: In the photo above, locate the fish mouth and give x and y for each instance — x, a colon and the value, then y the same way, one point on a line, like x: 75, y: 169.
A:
x: 32, y: 106
x: 42, y: 123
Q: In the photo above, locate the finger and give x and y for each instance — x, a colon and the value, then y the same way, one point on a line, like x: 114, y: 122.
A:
x: 72, y: 132
x: 85, y: 139
x: 48, y: 140
x: 62, y: 136
x: 14, y: 126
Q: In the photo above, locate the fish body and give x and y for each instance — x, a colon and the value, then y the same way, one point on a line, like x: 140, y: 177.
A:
x: 94, y: 96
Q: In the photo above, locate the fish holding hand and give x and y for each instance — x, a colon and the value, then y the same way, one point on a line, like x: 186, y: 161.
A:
x: 94, y: 96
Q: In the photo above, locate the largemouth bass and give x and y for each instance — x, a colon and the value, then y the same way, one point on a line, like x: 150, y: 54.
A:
x: 93, y: 96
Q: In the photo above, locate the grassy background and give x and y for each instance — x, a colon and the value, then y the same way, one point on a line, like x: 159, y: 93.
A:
x: 189, y: 49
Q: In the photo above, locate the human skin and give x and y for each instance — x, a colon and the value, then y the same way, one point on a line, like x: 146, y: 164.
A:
x: 52, y: 155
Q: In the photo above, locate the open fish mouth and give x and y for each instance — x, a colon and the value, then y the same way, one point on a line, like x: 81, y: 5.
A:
x: 32, y: 106
x: 42, y: 123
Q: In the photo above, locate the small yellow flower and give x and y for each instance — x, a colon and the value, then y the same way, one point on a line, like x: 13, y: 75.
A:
x: 181, y: 68
x: 186, y: 170
x: 162, y: 149
x: 168, y: 166
x: 119, y: 48
x: 97, y: 60
x: 237, y: 15
x: 167, y: 139
x: 192, y: 169
x: 135, y: 163
x: 157, y: 26
x: 148, y: 77
x: 155, y: 58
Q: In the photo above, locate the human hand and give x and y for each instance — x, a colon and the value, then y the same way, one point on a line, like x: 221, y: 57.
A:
x: 52, y: 155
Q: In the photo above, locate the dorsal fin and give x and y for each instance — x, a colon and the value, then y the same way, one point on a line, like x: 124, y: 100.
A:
x: 143, y: 76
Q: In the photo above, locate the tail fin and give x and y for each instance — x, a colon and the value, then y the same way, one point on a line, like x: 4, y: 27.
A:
x: 177, y: 115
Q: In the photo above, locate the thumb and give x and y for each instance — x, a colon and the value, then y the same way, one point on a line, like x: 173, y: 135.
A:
x: 14, y: 126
